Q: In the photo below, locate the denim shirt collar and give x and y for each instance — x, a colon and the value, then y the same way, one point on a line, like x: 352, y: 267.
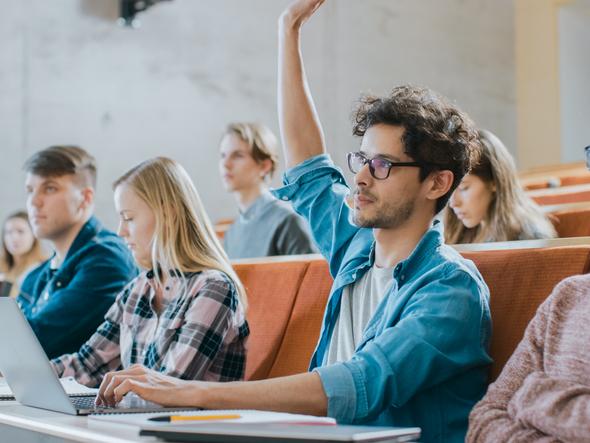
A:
x: 88, y: 231
x: 408, y: 268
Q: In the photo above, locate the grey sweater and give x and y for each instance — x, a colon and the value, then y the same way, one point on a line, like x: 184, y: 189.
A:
x: 268, y: 227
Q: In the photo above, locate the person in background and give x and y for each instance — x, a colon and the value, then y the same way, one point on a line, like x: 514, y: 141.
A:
x: 265, y: 226
x: 20, y: 252
x: 490, y: 205
x: 66, y: 298
x: 184, y: 315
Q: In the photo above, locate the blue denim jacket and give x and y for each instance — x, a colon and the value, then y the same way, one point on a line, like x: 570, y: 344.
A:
x: 64, y: 307
x: 423, y: 358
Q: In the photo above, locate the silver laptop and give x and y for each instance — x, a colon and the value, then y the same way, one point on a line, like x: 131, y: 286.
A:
x: 278, y: 432
x: 27, y: 371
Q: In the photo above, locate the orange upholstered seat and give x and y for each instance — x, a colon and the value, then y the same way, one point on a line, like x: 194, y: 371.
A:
x: 561, y: 195
x: 305, y: 323
x: 571, y: 223
x: 272, y: 289
x: 519, y: 281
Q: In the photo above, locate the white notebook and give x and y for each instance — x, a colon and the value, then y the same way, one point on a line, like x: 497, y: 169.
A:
x: 213, y: 416
x: 71, y: 386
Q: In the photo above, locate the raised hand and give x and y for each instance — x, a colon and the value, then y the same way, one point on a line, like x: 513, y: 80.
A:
x: 298, y: 12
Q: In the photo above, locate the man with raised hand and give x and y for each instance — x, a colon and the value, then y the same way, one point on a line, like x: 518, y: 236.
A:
x: 406, y: 328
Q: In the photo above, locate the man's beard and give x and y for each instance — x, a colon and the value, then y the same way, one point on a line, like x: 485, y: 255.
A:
x: 391, y: 216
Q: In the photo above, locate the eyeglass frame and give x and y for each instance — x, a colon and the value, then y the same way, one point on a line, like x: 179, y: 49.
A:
x: 587, y: 150
x: 372, y: 168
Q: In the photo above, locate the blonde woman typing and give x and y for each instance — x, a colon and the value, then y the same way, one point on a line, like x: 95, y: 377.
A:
x: 185, y: 314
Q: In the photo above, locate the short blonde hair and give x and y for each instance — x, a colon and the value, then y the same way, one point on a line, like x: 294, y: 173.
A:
x: 184, y: 238
x: 261, y: 140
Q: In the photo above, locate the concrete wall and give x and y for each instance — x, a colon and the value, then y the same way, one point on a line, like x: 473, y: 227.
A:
x: 574, y: 76
x: 537, y: 82
x: 69, y: 74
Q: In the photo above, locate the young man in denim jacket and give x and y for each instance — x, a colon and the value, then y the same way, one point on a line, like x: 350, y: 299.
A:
x: 66, y: 298
x: 406, y: 328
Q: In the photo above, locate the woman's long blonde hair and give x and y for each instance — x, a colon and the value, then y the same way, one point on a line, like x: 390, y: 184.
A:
x: 35, y: 255
x: 512, y: 215
x: 184, y: 238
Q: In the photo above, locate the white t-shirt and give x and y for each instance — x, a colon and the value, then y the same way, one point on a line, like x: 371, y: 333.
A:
x: 358, y: 304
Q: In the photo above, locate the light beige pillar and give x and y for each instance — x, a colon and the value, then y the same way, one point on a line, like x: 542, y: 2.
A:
x: 537, y: 82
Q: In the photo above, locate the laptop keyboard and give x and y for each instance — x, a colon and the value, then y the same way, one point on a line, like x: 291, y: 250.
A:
x: 86, y: 402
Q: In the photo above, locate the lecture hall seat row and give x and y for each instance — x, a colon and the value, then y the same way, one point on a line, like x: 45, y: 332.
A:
x: 287, y: 296
x: 552, y: 176
x: 570, y: 219
x: 561, y: 195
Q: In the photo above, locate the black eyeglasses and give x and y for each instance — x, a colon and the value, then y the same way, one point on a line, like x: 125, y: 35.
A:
x: 378, y: 166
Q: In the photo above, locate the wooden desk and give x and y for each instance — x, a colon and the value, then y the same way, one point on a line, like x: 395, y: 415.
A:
x: 23, y: 424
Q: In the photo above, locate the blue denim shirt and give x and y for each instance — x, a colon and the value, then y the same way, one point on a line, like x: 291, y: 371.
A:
x: 65, y: 306
x: 423, y: 358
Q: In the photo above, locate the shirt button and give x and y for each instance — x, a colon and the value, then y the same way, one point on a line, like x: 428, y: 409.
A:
x: 284, y: 198
x: 403, y: 277
x: 58, y: 284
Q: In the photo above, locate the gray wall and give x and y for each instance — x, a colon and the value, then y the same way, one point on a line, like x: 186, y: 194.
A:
x: 574, y: 76
x: 69, y: 74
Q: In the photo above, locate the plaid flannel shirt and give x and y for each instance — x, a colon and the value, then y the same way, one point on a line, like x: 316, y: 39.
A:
x: 199, y: 335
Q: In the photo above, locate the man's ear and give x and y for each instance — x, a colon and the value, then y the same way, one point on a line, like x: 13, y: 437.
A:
x: 87, y: 197
x: 439, y: 183
x: 266, y: 166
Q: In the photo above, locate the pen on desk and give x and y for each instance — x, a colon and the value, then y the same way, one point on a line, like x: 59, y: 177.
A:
x: 172, y: 418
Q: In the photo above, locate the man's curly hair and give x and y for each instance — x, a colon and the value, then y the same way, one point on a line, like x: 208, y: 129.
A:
x: 436, y: 133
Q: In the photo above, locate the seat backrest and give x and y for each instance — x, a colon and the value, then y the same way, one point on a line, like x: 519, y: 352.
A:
x: 556, y: 199
x: 303, y: 329
x: 573, y: 180
x: 574, y: 223
x: 561, y: 195
x: 519, y: 281
x: 272, y: 289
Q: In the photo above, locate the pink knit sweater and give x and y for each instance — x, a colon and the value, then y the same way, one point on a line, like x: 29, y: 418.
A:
x: 543, y: 393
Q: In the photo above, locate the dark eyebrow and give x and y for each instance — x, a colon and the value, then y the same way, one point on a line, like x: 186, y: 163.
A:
x: 391, y: 158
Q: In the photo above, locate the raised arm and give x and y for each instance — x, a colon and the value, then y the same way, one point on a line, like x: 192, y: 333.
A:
x: 301, y: 130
